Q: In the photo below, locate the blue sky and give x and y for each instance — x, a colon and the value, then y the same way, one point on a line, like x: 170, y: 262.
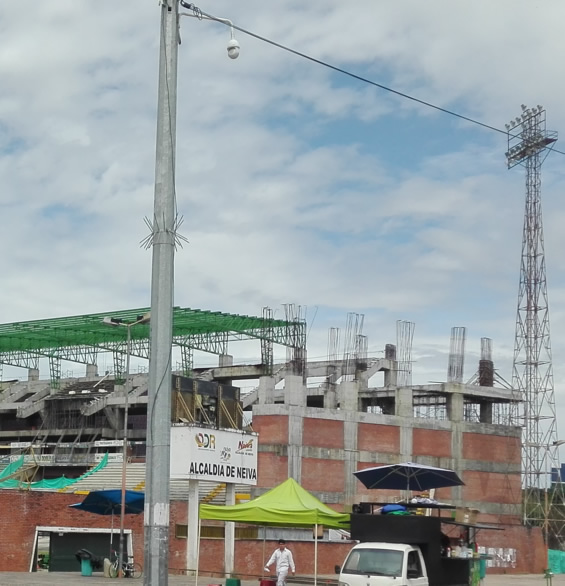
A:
x: 297, y: 184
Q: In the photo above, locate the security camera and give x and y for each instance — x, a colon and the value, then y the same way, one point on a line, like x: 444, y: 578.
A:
x: 233, y: 49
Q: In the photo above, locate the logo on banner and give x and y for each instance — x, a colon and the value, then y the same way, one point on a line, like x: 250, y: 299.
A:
x: 245, y: 448
x: 226, y: 454
x: 205, y: 441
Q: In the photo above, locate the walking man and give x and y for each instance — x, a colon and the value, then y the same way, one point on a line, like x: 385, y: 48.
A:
x: 282, y: 558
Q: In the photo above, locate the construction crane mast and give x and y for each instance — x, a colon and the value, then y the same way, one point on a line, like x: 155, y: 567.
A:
x: 532, y: 374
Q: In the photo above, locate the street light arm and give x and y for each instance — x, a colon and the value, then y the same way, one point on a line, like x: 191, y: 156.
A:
x: 233, y: 45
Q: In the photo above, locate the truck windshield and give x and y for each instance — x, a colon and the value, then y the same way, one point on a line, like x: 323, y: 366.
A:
x: 376, y: 562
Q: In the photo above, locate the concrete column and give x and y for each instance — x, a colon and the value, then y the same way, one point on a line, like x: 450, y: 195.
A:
x: 91, y: 370
x: 351, y: 456
x: 295, y: 433
x: 457, y: 462
x: 362, y: 377
x: 226, y: 360
x: 33, y: 374
x: 455, y: 406
x: 229, y: 534
x: 193, y: 526
x: 403, y: 402
x: 294, y: 391
x: 330, y: 396
x: 485, y: 415
x: 266, y: 390
x: 348, y: 393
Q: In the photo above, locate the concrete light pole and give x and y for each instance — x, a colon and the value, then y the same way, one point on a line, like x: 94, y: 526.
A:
x: 162, y: 240
x: 116, y: 322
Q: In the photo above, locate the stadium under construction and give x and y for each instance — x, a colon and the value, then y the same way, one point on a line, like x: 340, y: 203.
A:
x: 317, y: 422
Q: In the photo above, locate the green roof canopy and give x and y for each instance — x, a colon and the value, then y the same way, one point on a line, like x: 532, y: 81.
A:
x: 286, y: 505
x: 79, y: 338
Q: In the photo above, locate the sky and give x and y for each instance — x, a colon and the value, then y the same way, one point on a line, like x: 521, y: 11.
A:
x: 297, y: 184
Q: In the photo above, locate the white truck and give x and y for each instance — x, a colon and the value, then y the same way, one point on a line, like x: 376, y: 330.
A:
x: 402, y: 551
x: 384, y: 564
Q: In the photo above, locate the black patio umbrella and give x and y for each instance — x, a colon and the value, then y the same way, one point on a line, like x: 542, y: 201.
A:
x: 408, y: 476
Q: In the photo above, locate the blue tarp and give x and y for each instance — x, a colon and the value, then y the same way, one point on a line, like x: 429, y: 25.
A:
x: 108, y: 502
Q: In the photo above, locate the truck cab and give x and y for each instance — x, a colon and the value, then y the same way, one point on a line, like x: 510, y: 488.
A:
x: 383, y: 564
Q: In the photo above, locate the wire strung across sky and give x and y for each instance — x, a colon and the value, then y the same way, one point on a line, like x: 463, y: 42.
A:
x: 198, y: 13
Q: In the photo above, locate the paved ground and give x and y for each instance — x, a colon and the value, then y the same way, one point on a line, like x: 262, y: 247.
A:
x: 67, y: 578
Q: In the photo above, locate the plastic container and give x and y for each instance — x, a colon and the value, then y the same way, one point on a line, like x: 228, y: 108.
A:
x: 85, y: 567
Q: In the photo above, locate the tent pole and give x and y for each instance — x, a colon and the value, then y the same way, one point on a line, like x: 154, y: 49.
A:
x: 198, y: 552
x: 264, y: 558
x: 112, y: 534
x: 316, y: 554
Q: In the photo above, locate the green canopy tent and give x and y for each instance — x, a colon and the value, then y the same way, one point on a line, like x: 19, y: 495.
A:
x: 286, y: 505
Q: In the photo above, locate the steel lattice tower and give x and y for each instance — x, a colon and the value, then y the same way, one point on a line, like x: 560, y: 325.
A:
x: 532, y: 375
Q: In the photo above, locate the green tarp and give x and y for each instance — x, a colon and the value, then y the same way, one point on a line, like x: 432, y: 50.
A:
x: 53, y: 483
x: 12, y: 467
x: 286, y: 505
x: 556, y: 561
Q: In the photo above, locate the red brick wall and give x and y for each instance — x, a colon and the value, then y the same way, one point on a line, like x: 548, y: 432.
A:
x: 323, y: 433
x: 322, y: 475
x: 431, y: 442
x: 272, y: 469
x: 272, y: 429
x: 497, y: 487
x: 495, y: 448
x: 378, y: 438
x: 251, y: 556
x: 29, y: 509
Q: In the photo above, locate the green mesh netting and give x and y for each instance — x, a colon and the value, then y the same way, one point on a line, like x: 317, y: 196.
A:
x: 52, y: 484
x: 556, y: 561
x: 11, y: 468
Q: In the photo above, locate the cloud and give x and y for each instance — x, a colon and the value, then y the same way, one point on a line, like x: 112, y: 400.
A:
x: 296, y: 183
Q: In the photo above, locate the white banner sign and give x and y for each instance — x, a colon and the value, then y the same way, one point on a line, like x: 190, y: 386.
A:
x: 220, y: 455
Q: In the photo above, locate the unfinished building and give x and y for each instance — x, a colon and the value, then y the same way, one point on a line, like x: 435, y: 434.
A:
x: 318, y: 421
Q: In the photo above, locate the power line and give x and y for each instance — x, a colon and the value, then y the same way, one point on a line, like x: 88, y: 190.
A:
x: 199, y: 13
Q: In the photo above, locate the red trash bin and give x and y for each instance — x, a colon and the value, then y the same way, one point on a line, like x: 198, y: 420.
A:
x: 267, y: 582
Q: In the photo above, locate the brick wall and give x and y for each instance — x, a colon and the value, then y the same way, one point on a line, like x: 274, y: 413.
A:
x: 30, y: 509
x: 378, y: 438
x: 322, y: 475
x: 323, y: 433
x: 499, y: 448
x: 431, y: 442
x: 272, y: 429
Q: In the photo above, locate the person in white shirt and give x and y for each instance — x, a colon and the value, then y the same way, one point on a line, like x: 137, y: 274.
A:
x: 282, y: 558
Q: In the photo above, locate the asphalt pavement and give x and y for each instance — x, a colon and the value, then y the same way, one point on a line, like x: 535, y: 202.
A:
x: 97, y: 579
